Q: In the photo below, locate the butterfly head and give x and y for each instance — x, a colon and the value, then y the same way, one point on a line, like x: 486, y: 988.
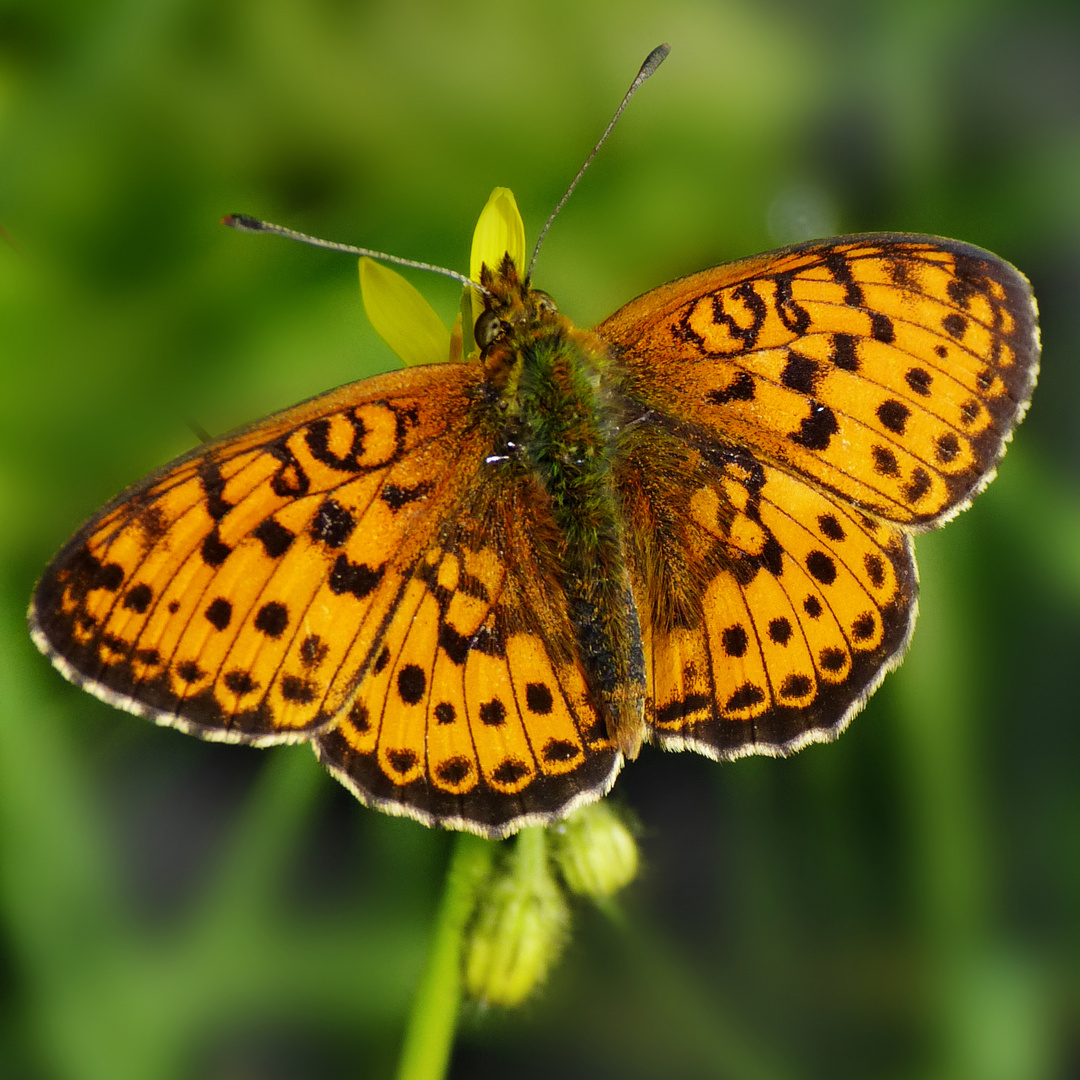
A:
x: 514, y: 315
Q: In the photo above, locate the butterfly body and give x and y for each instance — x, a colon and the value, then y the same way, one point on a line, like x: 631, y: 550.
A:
x: 478, y: 587
x: 555, y: 390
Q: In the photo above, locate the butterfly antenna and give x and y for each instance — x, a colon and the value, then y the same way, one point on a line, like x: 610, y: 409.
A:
x: 246, y: 223
x: 652, y: 62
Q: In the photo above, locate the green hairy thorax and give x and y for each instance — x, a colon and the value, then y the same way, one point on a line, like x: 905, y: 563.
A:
x: 551, y: 387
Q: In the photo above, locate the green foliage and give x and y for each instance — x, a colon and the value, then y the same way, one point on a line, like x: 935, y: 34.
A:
x: 903, y: 903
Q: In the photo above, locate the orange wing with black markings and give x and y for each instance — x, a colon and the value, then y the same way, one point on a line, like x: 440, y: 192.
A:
x: 770, y: 609
x: 888, y: 369
x: 476, y: 713
x: 803, y: 412
x: 210, y: 597
x: 350, y: 570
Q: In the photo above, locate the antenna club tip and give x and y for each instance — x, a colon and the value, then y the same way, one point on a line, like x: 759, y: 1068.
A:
x: 243, y: 222
x: 655, y: 59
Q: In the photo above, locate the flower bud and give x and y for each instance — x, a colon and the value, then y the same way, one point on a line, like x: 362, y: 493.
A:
x: 520, y: 926
x: 595, y: 851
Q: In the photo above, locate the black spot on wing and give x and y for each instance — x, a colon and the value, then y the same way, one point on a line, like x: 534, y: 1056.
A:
x: 138, y: 598
x: 454, y: 644
x: 313, y: 651
x: 893, y: 415
x: 745, y: 697
x: 510, y: 771
x: 401, y: 761
x: 954, y: 325
x: 454, y: 770
x: 332, y: 524
x: 796, y: 686
x: 919, y: 379
x: 920, y: 484
x: 396, y: 497
x: 881, y: 328
x: 885, y: 463
x: 821, y: 567
x: 213, y: 485
x: 356, y: 578
x: 538, y: 698
x: 275, y: 538
x: 741, y: 389
x: 189, y: 671
x: 830, y: 527
x: 493, y: 713
x: 800, y: 373
x: 298, y: 690
x: 240, y: 682
x: 875, y: 569
x: 272, y: 618
x: 560, y: 750
x: 844, y: 354
x: 411, y: 684
x: 948, y: 446
x: 735, y: 641
x: 816, y: 430
x: 833, y: 659
x: 214, y: 550
x: 219, y: 613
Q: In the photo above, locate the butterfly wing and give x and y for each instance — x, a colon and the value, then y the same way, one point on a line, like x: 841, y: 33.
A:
x: 771, y: 610
x: 352, y: 569
x: 211, y: 596
x: 801, y: 413
x: 476, y: 714
x: 888, y: 369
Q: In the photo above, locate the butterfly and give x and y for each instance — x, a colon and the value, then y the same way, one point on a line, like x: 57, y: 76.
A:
x: 478, y: 587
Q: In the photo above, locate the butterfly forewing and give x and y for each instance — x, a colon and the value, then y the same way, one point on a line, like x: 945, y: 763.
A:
x: 212, y: 596
x: 889, y: 369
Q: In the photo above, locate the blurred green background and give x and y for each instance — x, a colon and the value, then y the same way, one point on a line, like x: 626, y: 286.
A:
x: 904, y: 903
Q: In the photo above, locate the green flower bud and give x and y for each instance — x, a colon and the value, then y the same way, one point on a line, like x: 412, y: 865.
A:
x: 595, y: 851
x: 520, y: 926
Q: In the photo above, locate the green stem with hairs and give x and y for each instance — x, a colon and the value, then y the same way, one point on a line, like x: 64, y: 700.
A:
x: 429, y: 1036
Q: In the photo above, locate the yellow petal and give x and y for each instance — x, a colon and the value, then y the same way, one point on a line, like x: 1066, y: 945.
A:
x: 402, y: 317
x: 499, y: 230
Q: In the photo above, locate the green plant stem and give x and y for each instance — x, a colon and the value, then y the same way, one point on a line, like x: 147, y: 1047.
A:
x: 429, y: 1036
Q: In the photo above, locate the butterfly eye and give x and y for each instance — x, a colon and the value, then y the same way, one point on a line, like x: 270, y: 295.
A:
x: 544, y: 302
x: 489, y: 328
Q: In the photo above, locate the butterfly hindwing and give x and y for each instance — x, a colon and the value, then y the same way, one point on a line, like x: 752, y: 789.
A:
x: 475, y: 713
x: 889, y: 369
x: 770, y: 610
x: 212, y: 595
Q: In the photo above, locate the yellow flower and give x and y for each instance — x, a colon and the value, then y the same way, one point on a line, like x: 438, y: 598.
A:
x: 407, y: 322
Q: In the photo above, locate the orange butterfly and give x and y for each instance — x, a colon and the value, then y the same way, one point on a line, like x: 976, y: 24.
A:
x: 478, y: 587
